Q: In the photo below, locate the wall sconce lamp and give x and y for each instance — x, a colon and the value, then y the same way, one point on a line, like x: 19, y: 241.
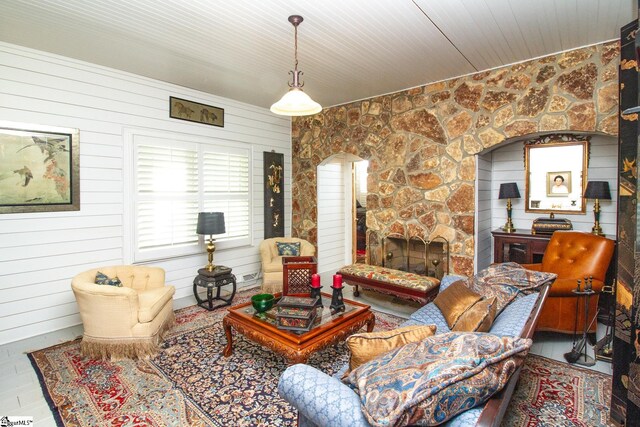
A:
x: 597, y: 190
x: 509, y: 191
x: 295, y: 102
x: 210, y: 223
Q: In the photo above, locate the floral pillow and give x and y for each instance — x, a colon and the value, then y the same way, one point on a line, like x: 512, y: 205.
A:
x: 288, y: 248
x: 507, y: 281
x: 103, y: 279
x: 513, y: 274
x: 430, y: 381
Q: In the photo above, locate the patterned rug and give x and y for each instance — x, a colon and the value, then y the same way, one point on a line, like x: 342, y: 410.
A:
x: 190, y: 383
x: 552, y: 393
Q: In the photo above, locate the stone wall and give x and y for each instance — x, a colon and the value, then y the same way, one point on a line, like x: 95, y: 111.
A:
x: 421, y: 142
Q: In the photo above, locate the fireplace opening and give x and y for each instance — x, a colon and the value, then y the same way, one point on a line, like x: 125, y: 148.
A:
x: 415, y: 255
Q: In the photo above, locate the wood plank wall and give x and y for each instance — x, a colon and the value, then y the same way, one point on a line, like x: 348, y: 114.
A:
x: 484, y: 251
x: 331, y: 217
x: 41, y: 252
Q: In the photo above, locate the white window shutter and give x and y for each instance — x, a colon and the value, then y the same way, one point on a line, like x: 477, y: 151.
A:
x: 226, y: 176
x: 166, y: 179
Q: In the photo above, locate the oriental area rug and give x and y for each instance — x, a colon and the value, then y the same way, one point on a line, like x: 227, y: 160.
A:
x: 189, y: 383
x: 552, y: 393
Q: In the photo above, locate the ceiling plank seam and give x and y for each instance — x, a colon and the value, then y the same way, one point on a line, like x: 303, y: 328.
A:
x: 445, y: 36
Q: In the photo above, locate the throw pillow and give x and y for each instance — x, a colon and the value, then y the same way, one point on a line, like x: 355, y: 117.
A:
x: 507, y: 281
x: 367, y: 346
x: 479, y: 317
x: 288, y: 248
x: 430, y: 381
x: 103, y: 279
x: 513, y: 274
x: 454, y: 301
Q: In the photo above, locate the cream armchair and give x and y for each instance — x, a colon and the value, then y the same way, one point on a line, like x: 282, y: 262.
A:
x: 272, y: 262
x: 127, y: 321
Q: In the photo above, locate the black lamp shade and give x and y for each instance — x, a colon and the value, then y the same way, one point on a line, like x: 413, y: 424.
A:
x: 210, y: 223
x: 509, y: 190
x: 597, y: 190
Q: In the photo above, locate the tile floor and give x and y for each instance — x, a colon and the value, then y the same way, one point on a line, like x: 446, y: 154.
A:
x: 21, y: 395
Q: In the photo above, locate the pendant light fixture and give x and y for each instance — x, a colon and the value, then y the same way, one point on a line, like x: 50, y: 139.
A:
x: 296, y: 102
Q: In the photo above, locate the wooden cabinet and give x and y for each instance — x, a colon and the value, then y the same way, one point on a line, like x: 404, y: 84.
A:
x: 520, y: 247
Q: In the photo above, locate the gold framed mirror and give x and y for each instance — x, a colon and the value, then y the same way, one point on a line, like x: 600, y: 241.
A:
x: 556, y: 174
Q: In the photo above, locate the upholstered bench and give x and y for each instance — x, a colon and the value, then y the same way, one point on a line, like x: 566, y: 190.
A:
x: 394, y: 282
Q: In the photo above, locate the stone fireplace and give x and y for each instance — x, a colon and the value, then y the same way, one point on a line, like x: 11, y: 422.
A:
x: 421, y: 143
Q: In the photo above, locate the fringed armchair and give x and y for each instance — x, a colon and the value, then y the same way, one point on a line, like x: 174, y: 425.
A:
x: 272, y: 270
x: 127, y: 320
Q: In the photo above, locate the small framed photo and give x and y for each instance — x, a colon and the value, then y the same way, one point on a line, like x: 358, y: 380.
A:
x: 195, y: 112
x: 558, y: 184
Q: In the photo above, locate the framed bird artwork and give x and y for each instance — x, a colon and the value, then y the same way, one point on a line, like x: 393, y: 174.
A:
x: 39, y: 168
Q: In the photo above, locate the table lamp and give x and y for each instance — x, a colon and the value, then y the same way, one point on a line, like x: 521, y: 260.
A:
x: 210, y: 223
x: 597, y: 190
x: 509, y: 191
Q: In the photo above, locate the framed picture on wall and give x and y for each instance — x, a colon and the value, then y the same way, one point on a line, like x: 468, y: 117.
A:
x: 39, y: 168
x: 558, y: 184
x: 191, y: 111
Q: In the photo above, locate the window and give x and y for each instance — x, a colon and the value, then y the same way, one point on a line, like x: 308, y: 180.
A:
x: 226, y: 189
x: 173, y: 180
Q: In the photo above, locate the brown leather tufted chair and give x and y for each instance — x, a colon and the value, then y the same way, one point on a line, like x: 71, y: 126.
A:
x: 572, y: 255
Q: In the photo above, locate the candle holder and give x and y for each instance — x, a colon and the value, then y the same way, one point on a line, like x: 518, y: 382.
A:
x: 315, y: 293
x: 337, y: 304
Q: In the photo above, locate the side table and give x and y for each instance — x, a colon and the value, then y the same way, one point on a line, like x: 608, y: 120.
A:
x: 218, y: 278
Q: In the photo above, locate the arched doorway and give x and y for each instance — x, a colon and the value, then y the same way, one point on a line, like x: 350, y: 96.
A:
x: 337, y: 215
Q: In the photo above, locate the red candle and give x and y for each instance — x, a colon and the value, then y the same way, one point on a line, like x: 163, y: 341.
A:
x: 337, y: 280
x: 315, y: 280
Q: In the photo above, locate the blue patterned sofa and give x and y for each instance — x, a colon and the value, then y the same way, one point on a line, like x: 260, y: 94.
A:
x: 323, y: 400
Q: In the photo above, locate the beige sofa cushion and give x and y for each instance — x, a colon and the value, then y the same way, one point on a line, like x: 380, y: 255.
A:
x: 274, y: 265
x: 150, y: 302
x: 454, y: 301
x: 367, y: 346
x: 479, y: 317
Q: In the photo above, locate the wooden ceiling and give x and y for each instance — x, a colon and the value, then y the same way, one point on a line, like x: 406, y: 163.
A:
x: 348, y: 49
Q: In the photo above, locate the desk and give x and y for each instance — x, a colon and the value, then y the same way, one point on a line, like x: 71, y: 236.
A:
x: 521, y: 247
x: 220, y: 276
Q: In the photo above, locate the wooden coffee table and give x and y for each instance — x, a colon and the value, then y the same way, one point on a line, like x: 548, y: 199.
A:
x: 329, y: 328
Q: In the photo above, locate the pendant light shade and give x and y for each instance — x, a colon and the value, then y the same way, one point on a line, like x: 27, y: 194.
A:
x: 295, y: 102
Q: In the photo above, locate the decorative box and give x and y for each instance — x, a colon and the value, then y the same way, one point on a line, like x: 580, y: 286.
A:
x: 296, y: 313
x: 549, y: 225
